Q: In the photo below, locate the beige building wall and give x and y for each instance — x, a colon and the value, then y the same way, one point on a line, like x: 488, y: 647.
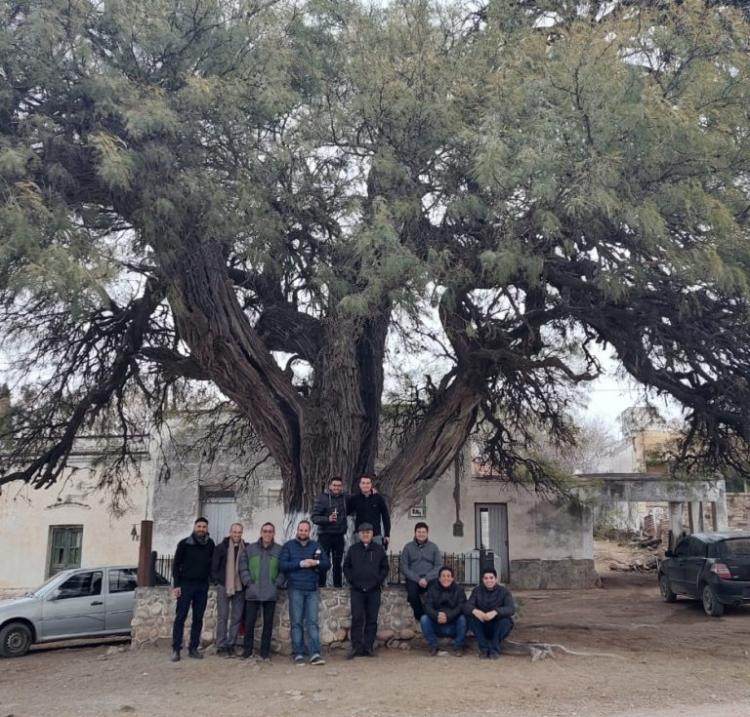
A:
x: 27, y: 516
x: 537, y: 528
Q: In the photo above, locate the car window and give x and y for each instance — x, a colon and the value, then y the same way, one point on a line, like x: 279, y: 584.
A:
x: 82, y: 584
x: 736, y: 547
x: 682, y: 549
x: 122, y: 580
x: 697, y: 548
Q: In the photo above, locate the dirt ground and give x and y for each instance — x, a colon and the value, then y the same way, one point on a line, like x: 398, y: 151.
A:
x: 666, y: 661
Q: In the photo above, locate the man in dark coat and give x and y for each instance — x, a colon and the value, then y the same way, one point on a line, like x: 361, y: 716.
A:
x: 368, y: 506
x: 191, y: 571
x: 329, y: 515
x: 366, y: 568
x: 230, y: 598
x: 444, y: 613
x: 490, y: 608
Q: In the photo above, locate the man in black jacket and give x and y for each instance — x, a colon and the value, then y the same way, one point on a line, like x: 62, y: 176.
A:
x: 370, y: 507
x: 366, y: 568
x: 444, y: 613
x: 329, y: 514
x: 490, y: 608
x: 191, y: 571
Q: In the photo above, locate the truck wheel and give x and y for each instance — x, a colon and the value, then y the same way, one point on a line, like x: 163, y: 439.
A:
x: 666, y: 589
x: 15, y: 640
x: 711, y: 604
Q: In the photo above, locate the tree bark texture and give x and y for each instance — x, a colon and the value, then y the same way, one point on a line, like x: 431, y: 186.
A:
x: 331, y: 431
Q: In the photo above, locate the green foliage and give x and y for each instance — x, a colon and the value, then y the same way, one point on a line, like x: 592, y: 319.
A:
x: 545, y: 185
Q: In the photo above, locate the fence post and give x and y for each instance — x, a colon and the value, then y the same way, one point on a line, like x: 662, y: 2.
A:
x: 144, y: 554
x: 152, y: 569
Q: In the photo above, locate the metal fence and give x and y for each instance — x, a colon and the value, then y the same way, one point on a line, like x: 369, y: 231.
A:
x: 466, y: 567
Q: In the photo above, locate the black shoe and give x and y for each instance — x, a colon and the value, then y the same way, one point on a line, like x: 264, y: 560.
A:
x: 494, y: 655
x: 195, y: 654
x: 433, y: 652
x: 352, y: 654
x: 175, y: 656
x: 368, y: 653
x: 247, y: 654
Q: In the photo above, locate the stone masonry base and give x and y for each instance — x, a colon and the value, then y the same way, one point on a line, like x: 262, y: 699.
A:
x: 154, y: 609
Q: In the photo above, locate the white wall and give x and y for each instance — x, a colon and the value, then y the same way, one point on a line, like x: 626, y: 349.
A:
x: 537, y: 529
x: 26, y: 515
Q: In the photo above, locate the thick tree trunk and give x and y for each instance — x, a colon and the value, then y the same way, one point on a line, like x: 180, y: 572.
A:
x: 334, y: 430
x: 430, y: 451
x: 341, y: 436
x: 225, y: 345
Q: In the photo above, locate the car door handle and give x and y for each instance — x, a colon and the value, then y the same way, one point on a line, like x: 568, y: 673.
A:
x: 97, y: 602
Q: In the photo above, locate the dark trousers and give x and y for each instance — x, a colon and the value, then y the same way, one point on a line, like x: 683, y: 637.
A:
x: 252, y: 608
x: 490, y: 635
x: 195, y: 596
x: 333, y: 545
x: 365, y: 609
x: 414, y: 598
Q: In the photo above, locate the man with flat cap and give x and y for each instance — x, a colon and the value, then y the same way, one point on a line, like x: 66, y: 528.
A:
x: 366, y: 569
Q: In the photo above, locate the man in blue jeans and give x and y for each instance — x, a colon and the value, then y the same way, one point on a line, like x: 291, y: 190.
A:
x: 444, y: 613
x: 300, y: 560
x: 490, y: 608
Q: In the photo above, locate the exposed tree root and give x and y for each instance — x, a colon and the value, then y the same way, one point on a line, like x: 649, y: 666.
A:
x: 543, y: 650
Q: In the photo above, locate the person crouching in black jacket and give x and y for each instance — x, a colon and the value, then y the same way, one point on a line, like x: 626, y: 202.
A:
x: 365, y: 568
x: 443, y: 613
x: 490, y: 609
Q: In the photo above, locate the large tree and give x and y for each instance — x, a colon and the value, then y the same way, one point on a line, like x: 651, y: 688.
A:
x: 256, y: 196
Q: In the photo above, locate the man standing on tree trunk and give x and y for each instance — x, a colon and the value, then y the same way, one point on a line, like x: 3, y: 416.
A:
x: 191, y: 571
x: 230, y: 599
x: 330, y: 515
x: 366, y: 568
x: 367, y: 506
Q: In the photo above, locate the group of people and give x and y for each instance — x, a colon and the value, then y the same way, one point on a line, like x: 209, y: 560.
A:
x: 248, y: 575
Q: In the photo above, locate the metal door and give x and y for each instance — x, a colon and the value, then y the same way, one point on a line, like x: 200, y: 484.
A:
x: 220, y: 509
x: 491, y: 522
x: 76, y: 607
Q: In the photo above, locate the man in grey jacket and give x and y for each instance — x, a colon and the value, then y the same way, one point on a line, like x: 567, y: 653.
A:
x: 261, y: 575
x: 420, y: 564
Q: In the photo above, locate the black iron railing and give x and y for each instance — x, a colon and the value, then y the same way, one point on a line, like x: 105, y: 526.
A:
x: 466, y: 567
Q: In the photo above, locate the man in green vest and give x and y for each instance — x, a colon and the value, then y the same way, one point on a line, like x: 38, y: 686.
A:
x: 260, y: 574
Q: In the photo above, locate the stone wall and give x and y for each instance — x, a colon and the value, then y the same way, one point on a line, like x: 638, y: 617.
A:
x: 553, y: 574
x: 738, y: 510
x: 154, y: 613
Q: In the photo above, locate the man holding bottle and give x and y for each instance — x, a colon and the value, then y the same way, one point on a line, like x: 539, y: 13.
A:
x: 300, y: 560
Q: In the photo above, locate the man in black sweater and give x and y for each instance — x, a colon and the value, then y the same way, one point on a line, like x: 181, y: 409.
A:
x: 191, y: 570
x: 370, y: 507
x: 490, y: 608
x: 366, y: 568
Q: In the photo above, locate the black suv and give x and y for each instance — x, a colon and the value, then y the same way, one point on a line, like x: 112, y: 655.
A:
x: 712, y: 567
